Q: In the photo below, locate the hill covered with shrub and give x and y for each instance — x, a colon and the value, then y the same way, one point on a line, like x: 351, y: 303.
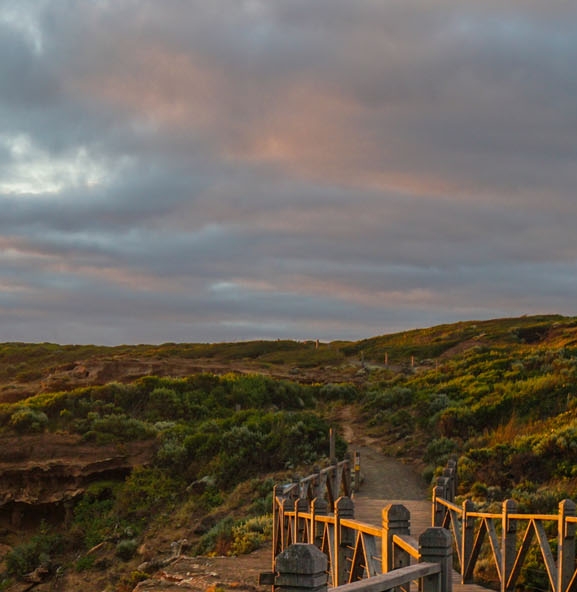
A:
x: 501, y: 394
x: 182, y: 442
x: 214, y: 444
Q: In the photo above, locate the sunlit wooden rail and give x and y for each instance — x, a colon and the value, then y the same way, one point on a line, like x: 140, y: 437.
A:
x: 507, y: 536
x: 302, y: 567
x: 306, y: 512
x: 318, y: 511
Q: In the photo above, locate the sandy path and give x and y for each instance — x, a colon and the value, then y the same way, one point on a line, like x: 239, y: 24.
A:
x: 385, y: 480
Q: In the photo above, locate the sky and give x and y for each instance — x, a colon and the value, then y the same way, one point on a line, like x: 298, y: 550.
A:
x: 200, y: 171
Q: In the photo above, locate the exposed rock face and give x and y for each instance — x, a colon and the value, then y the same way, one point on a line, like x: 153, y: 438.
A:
x: 40, y: 475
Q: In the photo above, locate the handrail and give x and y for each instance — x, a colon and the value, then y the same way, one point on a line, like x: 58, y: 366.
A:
x: 449, y: 504
x: 303, y: 567
x: 392, y: 579
x: 542, y: 517
x: 407, y: 544
x: 308, y: 511
x: 355, y: 549
x: 508, y: 536
x: 487, y: 515
x: 362, y: 527
x: 321, y: 472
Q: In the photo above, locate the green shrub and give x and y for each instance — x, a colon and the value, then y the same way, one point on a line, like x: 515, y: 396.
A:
x: 439, y: 450
x: 84, y: 563
x: 228, y: 537
x: 147, y: 491
x: 391, y: 398
x: 479, y: 490
x: 250, y: 535
x: 94, y: 518
x: 164, y: 403
x: 28, y: 556
x: 29, y: 421
x: 126, y: 549
x: 112, y: 428
x: 343, y: 391
x: 218, y: 540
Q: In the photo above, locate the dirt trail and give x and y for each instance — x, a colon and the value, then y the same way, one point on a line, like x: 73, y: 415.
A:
x: 385, y: 480
x: 383, y: 477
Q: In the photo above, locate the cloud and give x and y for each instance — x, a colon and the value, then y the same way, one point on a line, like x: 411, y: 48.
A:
x: 233, y: 169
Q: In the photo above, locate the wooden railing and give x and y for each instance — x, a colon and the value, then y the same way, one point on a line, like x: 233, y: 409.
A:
x: 305, y: 512
x: 328, y: 484
x: 303, y: 567
x: 507, y: 536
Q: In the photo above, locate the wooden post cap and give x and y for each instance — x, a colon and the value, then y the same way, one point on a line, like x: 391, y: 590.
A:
x: 301, y: 558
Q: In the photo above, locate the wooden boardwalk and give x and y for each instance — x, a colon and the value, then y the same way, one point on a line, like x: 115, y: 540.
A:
x: 350, y: 527
x: 369, y: 510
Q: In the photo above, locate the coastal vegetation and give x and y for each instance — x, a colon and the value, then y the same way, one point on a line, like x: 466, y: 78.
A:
x: 233, y: 418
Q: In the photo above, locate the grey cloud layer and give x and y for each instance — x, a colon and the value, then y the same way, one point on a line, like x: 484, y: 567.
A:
x: 226, y: 170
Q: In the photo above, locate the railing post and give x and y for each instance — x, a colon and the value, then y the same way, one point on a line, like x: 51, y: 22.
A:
x: 357, y: 469
x: 319, y: 507
x: 301, y: 506
x: 286, y: 535
x: 317, y: 482
x: 452, y: 474
x: 448, y: 474
x: 275, y: 527
x: 468, y: 537
x: 438, y: 509
x: 396, y: 520
x: 301, y: 568
x: 333, y: 463
x: 322, y: 489
x: 435, y: 546
x: 345, y: 476
x: 566, y: 547
x: 509, y: 543
x: 443, y: 483
x: 344, y: 508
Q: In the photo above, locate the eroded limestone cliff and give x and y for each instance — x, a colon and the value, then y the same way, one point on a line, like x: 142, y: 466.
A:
x: 40, y: 475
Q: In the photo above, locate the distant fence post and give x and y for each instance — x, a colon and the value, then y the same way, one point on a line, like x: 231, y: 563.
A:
x: 396, y: 520
x: 435, y: 546
x: 301, y: 568
x: 566, y: 548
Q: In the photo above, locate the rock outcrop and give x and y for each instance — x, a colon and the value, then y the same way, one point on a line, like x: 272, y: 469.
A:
x: 41, y: 475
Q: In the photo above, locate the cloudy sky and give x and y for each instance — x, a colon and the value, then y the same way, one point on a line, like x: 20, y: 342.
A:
x: 209, y: 170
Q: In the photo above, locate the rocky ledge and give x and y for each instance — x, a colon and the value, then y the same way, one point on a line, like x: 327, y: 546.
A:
x: 40, y: 474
